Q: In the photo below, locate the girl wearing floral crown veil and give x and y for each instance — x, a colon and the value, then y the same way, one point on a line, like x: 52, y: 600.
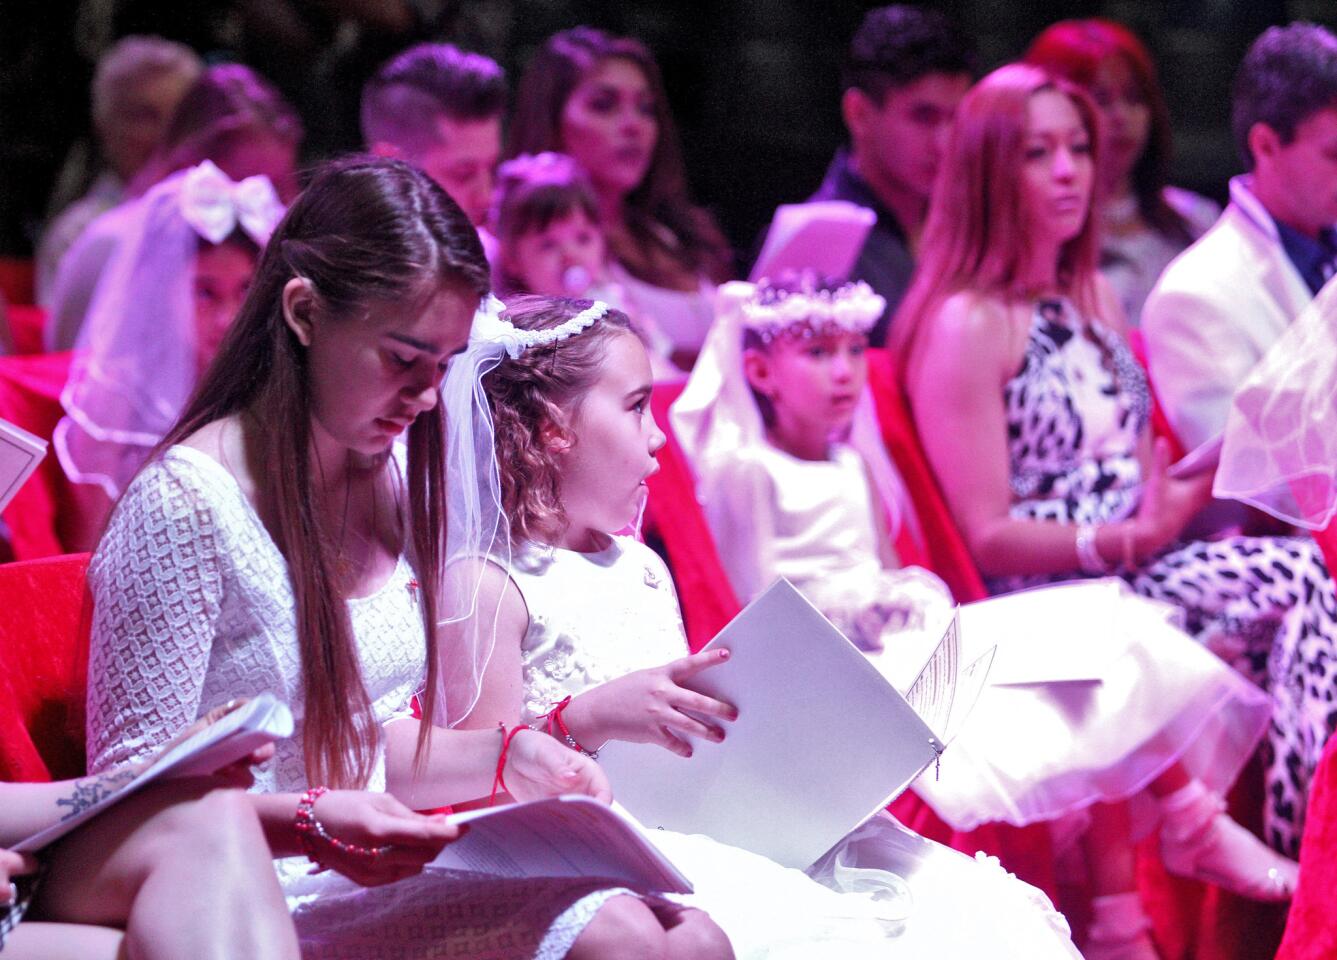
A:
x: 795, y: 482
x: 166, y: 298
x: 549, y: 412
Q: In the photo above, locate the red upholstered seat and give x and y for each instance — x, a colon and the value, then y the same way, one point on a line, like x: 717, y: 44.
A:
x: 30, y: 397
x: 1311, y: 928
x: 26, y: 325
x: 43, y: 667
x: 16, y: 279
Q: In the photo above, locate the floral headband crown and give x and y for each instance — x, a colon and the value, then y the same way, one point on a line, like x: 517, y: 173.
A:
x: 809, y: 312
x: 489, y: 327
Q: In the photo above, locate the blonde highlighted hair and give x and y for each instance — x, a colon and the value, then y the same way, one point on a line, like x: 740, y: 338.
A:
x: 975, y: 236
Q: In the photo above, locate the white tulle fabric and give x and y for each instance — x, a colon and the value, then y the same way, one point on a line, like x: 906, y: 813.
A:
x: 716, y: 420
x: 135, y: 360
x: 883, y: 891
x: 1279, y: 452
x: 192, y: 607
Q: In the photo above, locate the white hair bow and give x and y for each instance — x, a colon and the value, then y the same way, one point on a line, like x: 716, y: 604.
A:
x: 214, y: 206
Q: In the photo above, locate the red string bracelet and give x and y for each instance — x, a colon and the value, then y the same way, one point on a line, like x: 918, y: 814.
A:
x: 309, y: 829
x: 499, y: 781
x: 554, y: 718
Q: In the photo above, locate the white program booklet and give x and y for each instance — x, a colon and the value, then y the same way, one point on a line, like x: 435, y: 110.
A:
x: 822, y: 741
x: 20, y: 453
x: 824, y: 236
x: 568, y: 836
x: 224, y: 742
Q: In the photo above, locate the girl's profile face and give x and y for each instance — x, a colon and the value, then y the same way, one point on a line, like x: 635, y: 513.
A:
x: 372, y: 376
x: 813, y: 384
x: 609, y: 125
x: 1057, y: 173
x: 1125, y: 118
x: 222, y: 276
x: 543, y: 260
x: 613, y: 439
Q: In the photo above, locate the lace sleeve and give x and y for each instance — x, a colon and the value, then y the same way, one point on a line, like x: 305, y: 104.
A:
x: 157, y: 593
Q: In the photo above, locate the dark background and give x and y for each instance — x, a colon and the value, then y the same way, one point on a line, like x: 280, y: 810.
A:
x: 754, y: 83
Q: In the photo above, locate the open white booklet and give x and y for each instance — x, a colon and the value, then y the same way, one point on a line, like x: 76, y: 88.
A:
x: 567, y: 836
x: 20, y: 453
x: 824, y: 236
x: 231, y: 738
x: 822, y: 742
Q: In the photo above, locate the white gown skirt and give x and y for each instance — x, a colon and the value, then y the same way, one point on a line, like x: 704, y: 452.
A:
x: 1094, y: 693
x: 881, y: 892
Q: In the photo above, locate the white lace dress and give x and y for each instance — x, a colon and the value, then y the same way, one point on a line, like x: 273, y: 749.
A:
x: 597, y: 616
x: 192, y: 607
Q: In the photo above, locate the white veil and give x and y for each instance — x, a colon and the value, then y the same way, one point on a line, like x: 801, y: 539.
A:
x: 716, y: 417
x: 134, y: 365
x: 477, y: 528
x: 478, y: 531
x: 1279, y: 452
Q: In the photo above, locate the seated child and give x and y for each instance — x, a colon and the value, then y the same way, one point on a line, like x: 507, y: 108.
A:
x: 545, y: 216
x: 166, y: 299
x: 795, y: 482
x: 566, y: 386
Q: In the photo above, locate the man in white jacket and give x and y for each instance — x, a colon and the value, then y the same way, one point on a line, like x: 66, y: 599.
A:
x: 1226, y: 299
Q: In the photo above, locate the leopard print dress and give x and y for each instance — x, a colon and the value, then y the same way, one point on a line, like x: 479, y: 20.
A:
x: 1076, y: 410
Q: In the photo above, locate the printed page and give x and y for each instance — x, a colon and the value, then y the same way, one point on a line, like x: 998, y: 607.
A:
x: 570, y: 836
x: 825, y: 236
x: 20, y: 453
x: 233, y: 737
x: 945, y: 692
x: 822, y: 741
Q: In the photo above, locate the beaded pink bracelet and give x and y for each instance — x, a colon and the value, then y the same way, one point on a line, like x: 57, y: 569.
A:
x: 309, y: 828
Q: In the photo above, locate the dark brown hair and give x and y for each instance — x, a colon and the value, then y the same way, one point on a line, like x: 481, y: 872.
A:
x: 534, y: 192
x: 659, y: 212
x: 543, y: 386
x: 365, y: 231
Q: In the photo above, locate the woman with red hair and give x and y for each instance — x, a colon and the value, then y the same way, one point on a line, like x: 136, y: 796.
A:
x: 1144, y: 223
x: 1034, y: 417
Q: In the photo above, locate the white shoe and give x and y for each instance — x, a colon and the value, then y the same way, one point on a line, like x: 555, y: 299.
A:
x: 1199, y: 840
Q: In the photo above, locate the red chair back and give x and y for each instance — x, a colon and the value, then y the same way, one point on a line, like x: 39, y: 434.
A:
x: 43, y: 667
x: 26, y: 325
x: 30, y: 398
x: 675, y: 517
x: 16, y: 279
x: 944, y: 548
x: 1311, y: 927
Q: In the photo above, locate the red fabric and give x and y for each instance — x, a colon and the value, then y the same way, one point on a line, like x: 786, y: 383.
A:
x: 674, y: 516
x: 946, y: 551
x: 1311, y: 929
x: 26, y: 323
x: 30, y: 397
x: 16, y: 279
x: 43, y: 667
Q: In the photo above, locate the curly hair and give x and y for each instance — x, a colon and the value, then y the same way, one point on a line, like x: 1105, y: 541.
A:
x: 535, y: 394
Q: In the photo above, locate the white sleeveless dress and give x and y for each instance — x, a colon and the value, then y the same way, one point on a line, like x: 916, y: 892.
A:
x: 193, y: 607
x: 597, y: 616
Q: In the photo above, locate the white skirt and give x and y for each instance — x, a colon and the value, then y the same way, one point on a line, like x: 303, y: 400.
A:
x: 1120, y: 695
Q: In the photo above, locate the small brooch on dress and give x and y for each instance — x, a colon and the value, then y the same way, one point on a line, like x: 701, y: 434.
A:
x: 651, y: 578
x: 413, y: 588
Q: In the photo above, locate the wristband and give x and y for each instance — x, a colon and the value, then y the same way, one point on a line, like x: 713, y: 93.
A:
x: 557, y: 728
x: 498, y: 780
x: 309, y: 829
x: 1088, y: 556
